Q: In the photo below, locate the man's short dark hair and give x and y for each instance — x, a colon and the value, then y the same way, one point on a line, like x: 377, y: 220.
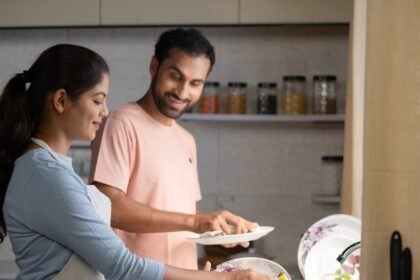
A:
x: 189, y: 40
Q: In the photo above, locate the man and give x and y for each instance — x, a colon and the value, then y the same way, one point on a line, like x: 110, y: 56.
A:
x: 146, y: 163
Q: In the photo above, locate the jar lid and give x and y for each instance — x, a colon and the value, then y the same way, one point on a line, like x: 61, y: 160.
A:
x: 294, y: 78
x: 267, y: 85
x: 211, y: 84
x: 325, y: 78
x: 237, y: 84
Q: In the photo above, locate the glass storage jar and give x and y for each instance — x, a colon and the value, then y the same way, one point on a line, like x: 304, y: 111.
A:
x: 324, y: 98
x: 293, y: 95
x: 209, y: 102
x: 267, y: 98
x: 237, y: 98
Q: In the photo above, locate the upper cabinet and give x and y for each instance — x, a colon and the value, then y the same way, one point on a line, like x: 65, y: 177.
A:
x: 29, y: 13
x: 295, y: 11
x: 40, y: 13
x: 168, y: 12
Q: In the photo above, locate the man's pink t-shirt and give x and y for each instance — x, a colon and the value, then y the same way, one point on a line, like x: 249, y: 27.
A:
x: 156, y: 165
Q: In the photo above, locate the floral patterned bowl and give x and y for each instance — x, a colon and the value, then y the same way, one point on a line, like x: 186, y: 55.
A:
x: 334, y: 225
x: 260, y: 265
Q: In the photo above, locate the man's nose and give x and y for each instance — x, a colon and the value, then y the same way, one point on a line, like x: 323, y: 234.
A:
x: 182, y: 91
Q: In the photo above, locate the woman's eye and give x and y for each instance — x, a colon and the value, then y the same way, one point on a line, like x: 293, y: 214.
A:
x: 98, y: 102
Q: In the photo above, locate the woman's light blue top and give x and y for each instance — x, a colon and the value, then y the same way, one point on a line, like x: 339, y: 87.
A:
x: 49, y: 216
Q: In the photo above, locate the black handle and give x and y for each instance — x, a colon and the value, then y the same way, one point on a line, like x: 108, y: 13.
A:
x: 406, y: 264
x: 395, y: 255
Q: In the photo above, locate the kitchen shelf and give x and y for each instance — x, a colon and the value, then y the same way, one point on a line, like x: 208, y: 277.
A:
x: 319, y: 198
x: 261, y: 118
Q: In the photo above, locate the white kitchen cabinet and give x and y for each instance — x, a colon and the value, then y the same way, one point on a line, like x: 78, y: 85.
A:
x: 294, y: 11
x: 29, y: 13
x: 46, y: 13
x: 168, y: 12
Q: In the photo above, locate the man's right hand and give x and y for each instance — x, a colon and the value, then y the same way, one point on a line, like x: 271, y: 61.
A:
x: 223, y: 221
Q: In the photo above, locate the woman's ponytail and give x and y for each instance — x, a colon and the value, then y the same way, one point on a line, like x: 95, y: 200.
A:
x: 16, y: 128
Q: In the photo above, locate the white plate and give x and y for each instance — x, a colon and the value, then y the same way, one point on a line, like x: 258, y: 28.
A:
x: 260, y: 265
x: 333, y: 225
x: 232, y: 238
x: 321, y: 262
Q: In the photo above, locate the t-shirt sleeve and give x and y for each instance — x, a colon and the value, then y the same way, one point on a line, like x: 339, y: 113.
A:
x: 111, y: 150
x: 59, y: 208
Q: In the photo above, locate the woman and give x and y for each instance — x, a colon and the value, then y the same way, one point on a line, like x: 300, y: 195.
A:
x: 57, y: 225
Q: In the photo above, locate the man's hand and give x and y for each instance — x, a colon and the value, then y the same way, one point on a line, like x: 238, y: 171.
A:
x: 224, y: 221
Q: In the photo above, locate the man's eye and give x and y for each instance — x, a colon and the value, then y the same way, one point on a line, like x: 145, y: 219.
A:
x: 97, y: 102
x: 176, y: 77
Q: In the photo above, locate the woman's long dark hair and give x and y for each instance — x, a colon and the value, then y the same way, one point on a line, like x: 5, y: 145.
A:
x: 73, y: 68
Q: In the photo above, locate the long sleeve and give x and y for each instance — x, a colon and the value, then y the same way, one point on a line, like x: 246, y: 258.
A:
x: 57, y: 206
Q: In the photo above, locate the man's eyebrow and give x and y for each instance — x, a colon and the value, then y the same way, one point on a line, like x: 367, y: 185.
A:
x: 175, y: 68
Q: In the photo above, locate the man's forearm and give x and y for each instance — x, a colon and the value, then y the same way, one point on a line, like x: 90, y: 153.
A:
x: 133, y: 216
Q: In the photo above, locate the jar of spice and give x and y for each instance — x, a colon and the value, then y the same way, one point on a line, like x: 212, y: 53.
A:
x: 267, y: 98
x: 293, y: 95
x: 324, y: 99
x: 209, y: 102
x: 237, y: 98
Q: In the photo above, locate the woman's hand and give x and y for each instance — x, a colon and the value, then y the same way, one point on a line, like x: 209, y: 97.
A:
x: 207, y: 266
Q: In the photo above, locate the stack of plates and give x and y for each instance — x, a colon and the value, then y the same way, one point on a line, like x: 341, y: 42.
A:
x: 323, y: 242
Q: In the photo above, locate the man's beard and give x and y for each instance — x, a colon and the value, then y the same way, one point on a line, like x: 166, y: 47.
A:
x: 162, y: 105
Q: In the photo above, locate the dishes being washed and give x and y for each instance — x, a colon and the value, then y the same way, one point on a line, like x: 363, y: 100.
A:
x: 232, y: 238
x: 321, y: 262
x: 335, y: 225
x: 260, y: 265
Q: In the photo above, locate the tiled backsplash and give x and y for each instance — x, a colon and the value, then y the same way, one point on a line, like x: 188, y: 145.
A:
x: 266, y: 172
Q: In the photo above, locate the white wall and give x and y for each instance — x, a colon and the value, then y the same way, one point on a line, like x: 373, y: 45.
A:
x: 266, y: 172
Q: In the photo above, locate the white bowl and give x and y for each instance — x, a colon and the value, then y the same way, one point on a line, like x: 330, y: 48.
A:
x: 260, y: 265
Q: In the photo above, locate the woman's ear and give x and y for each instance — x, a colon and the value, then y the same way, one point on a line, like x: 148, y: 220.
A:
x: 60, y: 100
x: 153, y: 66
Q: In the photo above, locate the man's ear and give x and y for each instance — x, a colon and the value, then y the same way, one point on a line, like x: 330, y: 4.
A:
x: 59, y: 100
x: 153, y: 66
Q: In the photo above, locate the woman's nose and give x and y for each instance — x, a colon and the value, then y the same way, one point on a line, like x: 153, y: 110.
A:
x: 105, y: 111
